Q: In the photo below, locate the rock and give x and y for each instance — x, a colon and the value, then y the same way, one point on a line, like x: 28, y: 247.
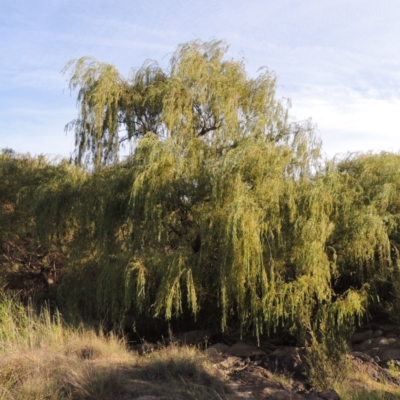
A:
x: 270, y: 390
x: 328, y: 395
x: 387, y: 341
x: 212, y: 353
x: 241, y: 349
x: 361, y: 336
x: 377, y: 333
x: 389, y: 354
x: 379, y: 342
x: 311, y: 396
x: 221, y: 348
x: 285, y: 360
x: 365, y: 364
x: 362, y: 356
x: 232, y: 363
x: 363, y: 345
x: 373, y: 352
x: 391, y: 335
x: 389, y: 328
x: 260, y: 373
x: 325, y: 395
x: 284, y: 395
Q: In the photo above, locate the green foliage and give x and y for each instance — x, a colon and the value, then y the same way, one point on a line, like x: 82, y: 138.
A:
x: 201, y: 93
x: 26, y: 264
x: 222, y: 210
x: 327, y: 363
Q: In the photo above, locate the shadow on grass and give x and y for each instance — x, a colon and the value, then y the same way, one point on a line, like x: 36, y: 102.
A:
x: 170, y: 373
x: 181, y: 372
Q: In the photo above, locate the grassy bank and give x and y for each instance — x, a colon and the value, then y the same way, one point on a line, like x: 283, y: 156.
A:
x: 43, y: 358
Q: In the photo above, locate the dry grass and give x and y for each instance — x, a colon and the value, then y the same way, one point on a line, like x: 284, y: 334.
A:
x: 362, y: 386
x: 183, y: 370
x: 41, y: 358
x: 367, y: 394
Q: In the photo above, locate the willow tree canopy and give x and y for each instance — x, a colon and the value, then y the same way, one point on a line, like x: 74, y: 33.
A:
x: 201, y: 95
x: 221, y: 208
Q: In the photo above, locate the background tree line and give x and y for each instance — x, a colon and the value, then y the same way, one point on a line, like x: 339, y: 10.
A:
x: 223, y: 214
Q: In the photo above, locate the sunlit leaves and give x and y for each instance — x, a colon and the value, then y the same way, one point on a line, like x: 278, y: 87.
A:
x: 222, y: 210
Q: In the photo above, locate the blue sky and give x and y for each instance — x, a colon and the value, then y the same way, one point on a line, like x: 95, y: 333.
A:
x: 337, y: 60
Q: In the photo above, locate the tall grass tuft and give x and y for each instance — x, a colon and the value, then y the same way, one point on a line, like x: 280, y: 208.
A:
x: 41, y: 357
x: 23, y: 326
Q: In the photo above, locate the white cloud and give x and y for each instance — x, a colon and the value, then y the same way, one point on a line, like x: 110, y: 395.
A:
x: 352, y: 123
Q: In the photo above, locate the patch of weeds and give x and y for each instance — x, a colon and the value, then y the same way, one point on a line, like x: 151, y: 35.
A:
x: 327, y: 364
x: 394, y: 368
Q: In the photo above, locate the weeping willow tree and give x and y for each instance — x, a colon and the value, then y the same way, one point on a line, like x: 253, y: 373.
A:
x: 222, y: 210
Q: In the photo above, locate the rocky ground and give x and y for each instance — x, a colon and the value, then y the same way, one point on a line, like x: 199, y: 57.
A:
x: 276, y: 373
